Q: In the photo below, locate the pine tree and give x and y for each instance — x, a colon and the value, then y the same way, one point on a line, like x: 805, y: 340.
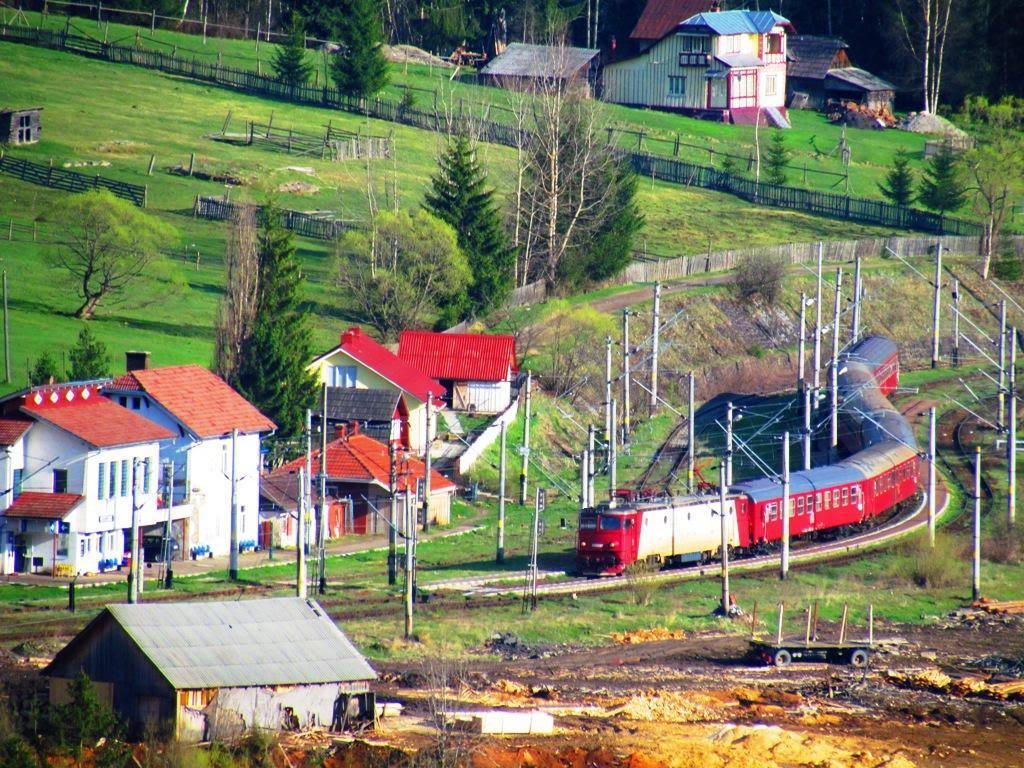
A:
x: 88, y: 357
x: 943, y: 188
x: 776, y: 158
x: 290, y: 64
x: 272, y: 371
x: 898, y: 187
x: 44, y: 371
x: 360, y: 68
x: 460, y: 197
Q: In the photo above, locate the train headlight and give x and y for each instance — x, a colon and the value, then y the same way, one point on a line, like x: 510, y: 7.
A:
x: 612, y: 545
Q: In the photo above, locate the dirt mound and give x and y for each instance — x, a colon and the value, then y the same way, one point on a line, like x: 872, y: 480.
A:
x: 792, y: 748
x: 925, y: 122
x: 647, y: 636
x: 668, y: 707
x: 414, y: 55
x: 298, y: 188
x: 493, y: 756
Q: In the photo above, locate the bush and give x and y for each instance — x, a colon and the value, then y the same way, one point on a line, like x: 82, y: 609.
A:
x: 930, y: 568
x: 759, y: 275
x: 641, y: 586
x: 1004, y: 544
x: 16, y: 753
x: 1007, y: 266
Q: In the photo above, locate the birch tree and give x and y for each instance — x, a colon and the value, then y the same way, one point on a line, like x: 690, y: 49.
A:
x: 237, y: 311
x: 926, y: 33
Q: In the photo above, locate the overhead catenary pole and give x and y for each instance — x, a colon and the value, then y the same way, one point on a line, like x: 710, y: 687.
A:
x: 729, y: 415
x: 525, y: 450
x: 834, y: 416
x: 802, y: 347
x: 723, y: 514
x: 931, y: 476
x: 858, y: 291
x: 817, y: 326
x: 956, y: 323
x: 936, y: 302
x: 393, y: 514
x: 321, y: 540
x: 300, y: 538
x: 1011, y: 440
x: 691, y: 442
x: 613, y: 458
x: 654, y: 349
x: 584, y: 480
x: 625, y: 375
x: 410, y: 529
x: 807, y: 429
x: 500, y: 554
x: 233, y: 555
x: 426, y: 463
x: 7, y: 336
x: 976, y: 538
x: 784, y: 563
x: 591, y: 463
x: 1001, y: 421
x: 307, y: 499
x: 609, y: 419
x: 134, y: 588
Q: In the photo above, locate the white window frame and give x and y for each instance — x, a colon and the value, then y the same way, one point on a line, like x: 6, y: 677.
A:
x: 771, y: 85
x: 679, y: 80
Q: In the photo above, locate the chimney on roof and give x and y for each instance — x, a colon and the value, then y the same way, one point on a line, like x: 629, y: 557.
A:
x: 351, y: 334
x: 716, y: 7
x: 136, y: 361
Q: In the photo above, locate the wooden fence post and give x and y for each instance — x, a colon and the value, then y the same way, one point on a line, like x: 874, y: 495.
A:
x: 152, y: 21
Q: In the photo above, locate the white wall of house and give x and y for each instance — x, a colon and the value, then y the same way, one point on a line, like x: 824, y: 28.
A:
x: 11, y: 458
x: 489, y: 396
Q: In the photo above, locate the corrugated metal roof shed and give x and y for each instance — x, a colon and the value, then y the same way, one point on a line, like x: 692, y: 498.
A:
x: 811, y: 56
x: 459, y: 356
x: 241, y: 643
x: 854, y: 77
x: 735, y: 22
x: 525, y: 60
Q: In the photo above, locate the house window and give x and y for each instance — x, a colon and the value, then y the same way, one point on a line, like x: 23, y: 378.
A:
x: 774, y: 44
x: 62, y: 545
x: 112, y: 482
x: 676, y: 85
x: 100, y: 485
x: 694, y: 44
x: 343, y: 376
x: 136, y: 403
x: 123, y: 401
x: 19, y: 475
x: 124, y: 477
x: 730, y: 44
x: 24, y: 128
x: 145, y: 475
x: 81, y: 547
x: 744, y: 85
x: 60, y: 481
x: 771, y: 85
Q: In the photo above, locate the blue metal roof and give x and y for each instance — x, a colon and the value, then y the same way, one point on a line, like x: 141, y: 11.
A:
x: 805, y: 481
x: 735, y: 22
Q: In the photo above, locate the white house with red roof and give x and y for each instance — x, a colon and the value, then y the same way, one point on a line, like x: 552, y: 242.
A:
x: 359, y: 486
x: 74, y: 466
x: 476, y: 369
x: 215, y: 436
x: 359, y: 361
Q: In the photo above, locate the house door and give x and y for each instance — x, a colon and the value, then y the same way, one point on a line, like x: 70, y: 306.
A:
x: 718, y: 97
x: 20, y: 554
x: 460, y: 396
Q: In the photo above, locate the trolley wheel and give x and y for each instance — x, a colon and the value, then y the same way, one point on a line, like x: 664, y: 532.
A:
x: 782, y: 658
x: 859, y: 658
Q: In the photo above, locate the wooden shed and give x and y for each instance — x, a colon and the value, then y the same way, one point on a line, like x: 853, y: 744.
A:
x: 214, y: 670
x: 20, y: 125
x: 522, y: 65
x: 820, y: 71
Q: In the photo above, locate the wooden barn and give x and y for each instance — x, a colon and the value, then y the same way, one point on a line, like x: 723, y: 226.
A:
x: 20, y: 126
x: 522, y: 66
x: 206, y: 670
x: 820, y: 71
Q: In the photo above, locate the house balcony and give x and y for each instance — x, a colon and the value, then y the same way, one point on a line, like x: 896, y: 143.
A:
x: 694, y: 59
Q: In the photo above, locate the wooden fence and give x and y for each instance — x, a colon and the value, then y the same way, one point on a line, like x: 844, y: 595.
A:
x: 69, y: 181
x: 670, y: 170
x: 307, y: 225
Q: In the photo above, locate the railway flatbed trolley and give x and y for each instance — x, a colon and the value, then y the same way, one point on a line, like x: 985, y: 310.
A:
x: 780, y: 652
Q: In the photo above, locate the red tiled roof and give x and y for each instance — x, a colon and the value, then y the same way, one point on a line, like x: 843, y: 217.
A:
x: 361, y: 459
x: 198, y: 398
x: 49, y: 506
x: 660, y: 17
x: 12, y: 429
x: 379, y: 359
x: 83, y: 412
x: 459, y: 356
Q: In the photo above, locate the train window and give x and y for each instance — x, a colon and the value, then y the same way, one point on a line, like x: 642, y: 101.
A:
x: 817, y: 501
x: 588, y: 522
x: 835, y: 498
x: 772, y: 511
x: 828, y: 500
x: 853, y: 494
x: 792, y: 507
x: 846, y: 496
x: 800, y: 505
x: 629, y: 524
x: 610, y: 523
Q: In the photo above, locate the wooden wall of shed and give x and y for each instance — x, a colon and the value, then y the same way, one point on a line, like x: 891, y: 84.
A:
x: 9, y: 126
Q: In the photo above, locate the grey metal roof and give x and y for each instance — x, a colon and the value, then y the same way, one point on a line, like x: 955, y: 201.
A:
x: 873, y: 350
x: 526, y: 60
x: 811, y: 56
x: 736, y: 22
x: 853, y: 77
x: 734, y: 60
x: 270, y: 641
x: 800, y: 482
x: 353, y: 404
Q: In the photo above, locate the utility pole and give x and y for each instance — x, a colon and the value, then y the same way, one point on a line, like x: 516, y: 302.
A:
x: 931, y: 476
x: 169, y: 529
x: 525, y: 466
x: 802, y: 348
x: 1011, y: 440
x: 591, y: 463
x: 834, y: 419
x: 1001, y: 421
x: 725, y: 539
x: 817, y: 327
x: 807, y: 429
x: 426, y: 462
x: 976, y: 561
x: 936, y: 299
x: 134, y: 588
x: 500, y: 555
x: 7, y: 336
x: 625, y: 374
x: 613, y: 458
x: 609, y: 419
x: 654, y: 350
x: 784, y: 571
x: 728, y: 443
x: 410, y: 528
x: 584, y: 480
x: 691, y: 443
x: 233, y: 558
x: 307, y: 499
x: 393, y: 514
x: 300, y: 538
x: 956, y: 323
x: 858, y: 290
x: 321, y: 541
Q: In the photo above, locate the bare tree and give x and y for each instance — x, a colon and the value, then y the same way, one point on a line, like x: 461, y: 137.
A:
x: 237, y: 310
x: 928, y: 44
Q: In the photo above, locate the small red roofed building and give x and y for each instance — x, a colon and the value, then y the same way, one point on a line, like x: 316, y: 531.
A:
x: 215, y: 436
x: 359, y: 361
x: 358, y: 487
x: 477, y: 370
x: 73, y: 466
